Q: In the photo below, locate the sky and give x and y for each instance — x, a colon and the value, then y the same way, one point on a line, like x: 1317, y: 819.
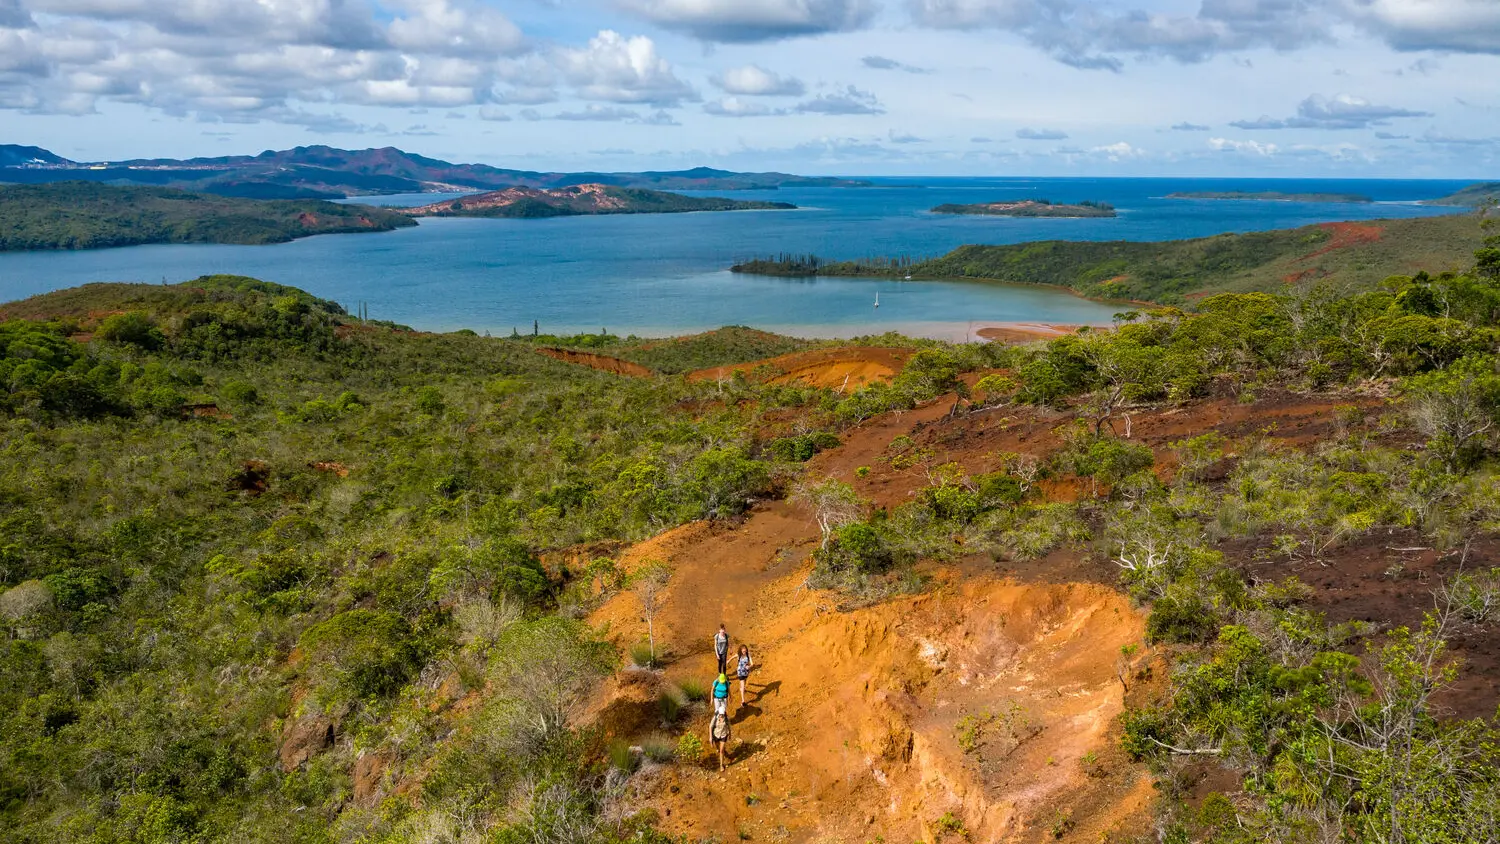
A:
x: 1242, y: 88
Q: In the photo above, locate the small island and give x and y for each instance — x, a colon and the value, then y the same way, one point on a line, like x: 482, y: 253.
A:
x: 1472, y: 196
x: 1030, y: 208
x: 89, y: 215
x: 578, y: 200
x: 1271, y: 196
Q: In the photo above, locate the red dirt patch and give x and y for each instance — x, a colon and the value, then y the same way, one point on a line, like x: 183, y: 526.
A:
x: 331, y: 466
x: 1345, y: 235
x: 842, y: 369
x: 603, y: 363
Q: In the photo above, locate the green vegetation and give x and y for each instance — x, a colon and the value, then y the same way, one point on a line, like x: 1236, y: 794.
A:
x: 1030, y: 208
x: 1272, y: 196
x: 238, y: 523
x: 84, y: 215
x: 1339, y: 255
x: 250, y: 544
x: 1473, y: 196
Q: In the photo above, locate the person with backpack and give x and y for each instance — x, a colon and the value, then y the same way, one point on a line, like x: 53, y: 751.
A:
x: 721, y: 648
x: 718, y: 725
x: 742, y: 666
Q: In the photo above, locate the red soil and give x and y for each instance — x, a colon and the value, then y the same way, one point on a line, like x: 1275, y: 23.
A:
x: 843, y: 369
x: 603, y: 363
x: 1345, y: 235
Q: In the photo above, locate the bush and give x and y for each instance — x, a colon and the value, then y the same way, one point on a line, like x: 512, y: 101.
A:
x: 690, y: 748
x: 136, y: 328
x: 240, y: 393
x: 693, y: 691
x: 640, y: 655
x: 659, y: 748
x: 361, y: 655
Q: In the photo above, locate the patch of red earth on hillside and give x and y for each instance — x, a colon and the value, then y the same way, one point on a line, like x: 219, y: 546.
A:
x: 331, y: 467
x: 1344, y: 236
x: 603, y: 363
x: 1303, y: 275
x: 851, y: 720
x: 308, y: 219
x: 844, y: 369
x: 205, y: 411
x: 1389, y: 577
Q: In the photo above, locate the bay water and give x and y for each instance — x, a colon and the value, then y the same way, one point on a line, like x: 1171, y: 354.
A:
x: 664, y: 274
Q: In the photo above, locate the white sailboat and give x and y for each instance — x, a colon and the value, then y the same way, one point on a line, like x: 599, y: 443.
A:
x: 877, y: 298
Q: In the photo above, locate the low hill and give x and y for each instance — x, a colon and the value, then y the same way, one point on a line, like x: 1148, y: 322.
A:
x: 1030, y: 208
x: 86, y: 215
x: 578, y: 200
x: 15, y: 155
x: 309, y: 171
x: 1340, y: 254
x: 1472, y: 196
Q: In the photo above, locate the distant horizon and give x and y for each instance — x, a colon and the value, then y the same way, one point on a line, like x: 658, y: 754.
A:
x: 581, y: 168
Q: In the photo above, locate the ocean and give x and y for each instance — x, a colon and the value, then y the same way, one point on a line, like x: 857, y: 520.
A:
x: 656, y: 275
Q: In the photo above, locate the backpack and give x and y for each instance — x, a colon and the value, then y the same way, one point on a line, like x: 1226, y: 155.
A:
x: 719, y: 730
x: 721, y: 690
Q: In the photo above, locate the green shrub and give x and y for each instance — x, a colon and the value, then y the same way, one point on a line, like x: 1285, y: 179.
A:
x: 135, y: 328
x: 361, y: 655
x: 660, y: 748
x: 640, y: 655
x: 240, y: 393
x: 690, y: 748
x: 693, y: 691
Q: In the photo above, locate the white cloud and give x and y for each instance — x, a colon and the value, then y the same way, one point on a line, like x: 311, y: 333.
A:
x: 736, y: 107
x: 1340, y: 112
x: 851, y: 100
x: 1251, y: 147
x: 448, y: 28
x: 1189, y: 127
x: 623, y: 70
x: 755, y: 81
x: 1041, y: 134
x: 743, y: 21
x: 1465, y: 26
x: 1118, y: 151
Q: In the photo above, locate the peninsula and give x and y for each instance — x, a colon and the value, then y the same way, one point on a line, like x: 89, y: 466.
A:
x: 1337, y: 255
x: 579, y: 200
x: 88, y: 215
x: 1472, y: 196
x: 1271, y: 196
x: 1030, y: 208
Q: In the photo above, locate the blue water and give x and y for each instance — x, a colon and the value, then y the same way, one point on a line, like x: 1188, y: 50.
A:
x: 665, y: 274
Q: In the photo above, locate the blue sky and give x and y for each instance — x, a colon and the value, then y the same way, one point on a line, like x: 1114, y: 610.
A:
x: 1393, y: 88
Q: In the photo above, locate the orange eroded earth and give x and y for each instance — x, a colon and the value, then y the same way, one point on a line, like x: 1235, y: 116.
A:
x: 604, y: 363
x: 843, y: 369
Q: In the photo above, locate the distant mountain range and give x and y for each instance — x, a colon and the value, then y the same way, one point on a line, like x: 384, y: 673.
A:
x: 326, y: 172
x: 576, y: 200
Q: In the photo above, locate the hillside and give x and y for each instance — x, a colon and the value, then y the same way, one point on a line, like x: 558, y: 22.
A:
x: 271, y: 573
x: 324, y: 172
x: 1029, y: 208
x: 1344, y: 255
x: 1472, y: 196
x: 275, y: 574
x: 577, y: 200
x: 86, y: 215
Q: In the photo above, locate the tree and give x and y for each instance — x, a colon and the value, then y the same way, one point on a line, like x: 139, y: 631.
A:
x: 1456, y: 408
x: 834, y: 504
x: 651, y: 590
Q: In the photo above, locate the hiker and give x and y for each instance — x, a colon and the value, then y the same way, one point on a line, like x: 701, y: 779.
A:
x: 718, y: 733
x: 721, y: 648
x: 743, y: 664
x: 718, y: 726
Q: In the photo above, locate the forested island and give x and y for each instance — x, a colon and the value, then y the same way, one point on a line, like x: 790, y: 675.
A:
x: 578, y: 200
x: 1272, y: 196
x: 1337, y: 254
x: 88, y: 215
x: 1030, y: 208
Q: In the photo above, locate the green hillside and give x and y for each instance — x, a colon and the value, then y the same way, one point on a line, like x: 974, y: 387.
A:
x: 86, y: 215
x: 1471, y: 196
x: 1337, y: 254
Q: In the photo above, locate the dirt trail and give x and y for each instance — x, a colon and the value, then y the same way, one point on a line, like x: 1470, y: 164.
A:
x: 986, y: 700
